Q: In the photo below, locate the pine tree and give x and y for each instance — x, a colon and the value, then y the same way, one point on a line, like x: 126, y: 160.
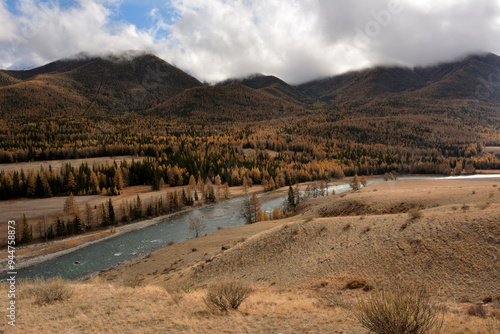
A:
x: 70, y: 186
x: 50, y: 233
x: 272, y: 185
x: 89, y: 216
x: 218, y: 181
x: 111, y: 212
x: 363, y: 181
x: 192, y: 182
x: 149, y: 210
x: 265, y: 184
x: 296, y: 194
x: 118, y: 179
x: 355, y: 184
x: 138, y: 208
x: 155, y: 186
x: 60, y: 228
x: 94, y: 184
x: 26, y: 231
x: 184, y: 197
x: 250, y: 208
x: 77, y: 225
x: 123, y: 209
x: 291, y: 199
x: 31, y: 190
x: 70, y: 206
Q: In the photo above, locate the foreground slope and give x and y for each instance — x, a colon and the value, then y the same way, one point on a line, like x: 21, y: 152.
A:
x: 299, y: 267
x: 367, y: 235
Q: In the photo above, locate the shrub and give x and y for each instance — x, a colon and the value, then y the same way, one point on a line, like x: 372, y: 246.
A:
x: 51, y: 290
x: 226, y: 296
x: 132, y: 281
x: 477, y: 311
x: 401, y: 310
x: 415, y: 214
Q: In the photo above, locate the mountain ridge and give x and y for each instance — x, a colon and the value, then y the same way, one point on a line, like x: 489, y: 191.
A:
x: 147, y: 84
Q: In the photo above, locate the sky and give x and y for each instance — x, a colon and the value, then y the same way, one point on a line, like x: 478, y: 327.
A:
x: 295, y: 40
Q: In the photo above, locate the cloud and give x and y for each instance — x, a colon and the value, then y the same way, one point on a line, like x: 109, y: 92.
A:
x: 296, y: 40
x: 45, y: 32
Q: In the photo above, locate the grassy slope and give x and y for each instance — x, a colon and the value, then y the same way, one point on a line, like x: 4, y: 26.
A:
x: 292, y: 262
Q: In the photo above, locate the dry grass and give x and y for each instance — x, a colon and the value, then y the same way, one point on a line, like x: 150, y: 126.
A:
x: 415, y: 214
x: 226, y: 296
x: 453, y: 251
x: 401, y: 310
x: 101, y: 307
x: 48, y: 291
x: 477, y: 311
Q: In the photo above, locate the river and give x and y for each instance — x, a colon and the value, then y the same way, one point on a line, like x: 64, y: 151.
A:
x: 125, y: 247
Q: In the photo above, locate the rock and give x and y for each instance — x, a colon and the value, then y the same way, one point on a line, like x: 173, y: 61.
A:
x: 225, y: 248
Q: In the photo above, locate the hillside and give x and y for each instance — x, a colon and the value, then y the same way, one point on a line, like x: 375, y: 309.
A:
x: 231, y: 102
x: 145, y: 83
x: 273, y: 86
x: 94, y: 86
x: 378, y: 82
x: 366, y: 235
x: 455, y: 80
x: 307, y: 272
x: 6, y: 80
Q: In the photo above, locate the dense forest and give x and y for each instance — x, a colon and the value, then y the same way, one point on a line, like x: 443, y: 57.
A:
x: 275, y: 153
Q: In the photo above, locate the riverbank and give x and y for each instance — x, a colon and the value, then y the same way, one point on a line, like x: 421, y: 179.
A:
x: 37, y: 253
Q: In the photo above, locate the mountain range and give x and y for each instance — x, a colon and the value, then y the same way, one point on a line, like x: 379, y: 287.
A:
x: 147, y: 84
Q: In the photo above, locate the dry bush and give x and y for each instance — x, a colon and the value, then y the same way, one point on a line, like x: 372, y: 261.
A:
x: 477, y: 311
x: 132, y: 281
x: 179, y: 288
x: 415, y: 214
x: 49, y: 291
x: 401, y: 310
x: 226, y: 296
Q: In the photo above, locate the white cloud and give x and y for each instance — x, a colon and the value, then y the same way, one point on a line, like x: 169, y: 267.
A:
x: 296, y: 40
x: 7, y: 26
x: 44, y: 33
